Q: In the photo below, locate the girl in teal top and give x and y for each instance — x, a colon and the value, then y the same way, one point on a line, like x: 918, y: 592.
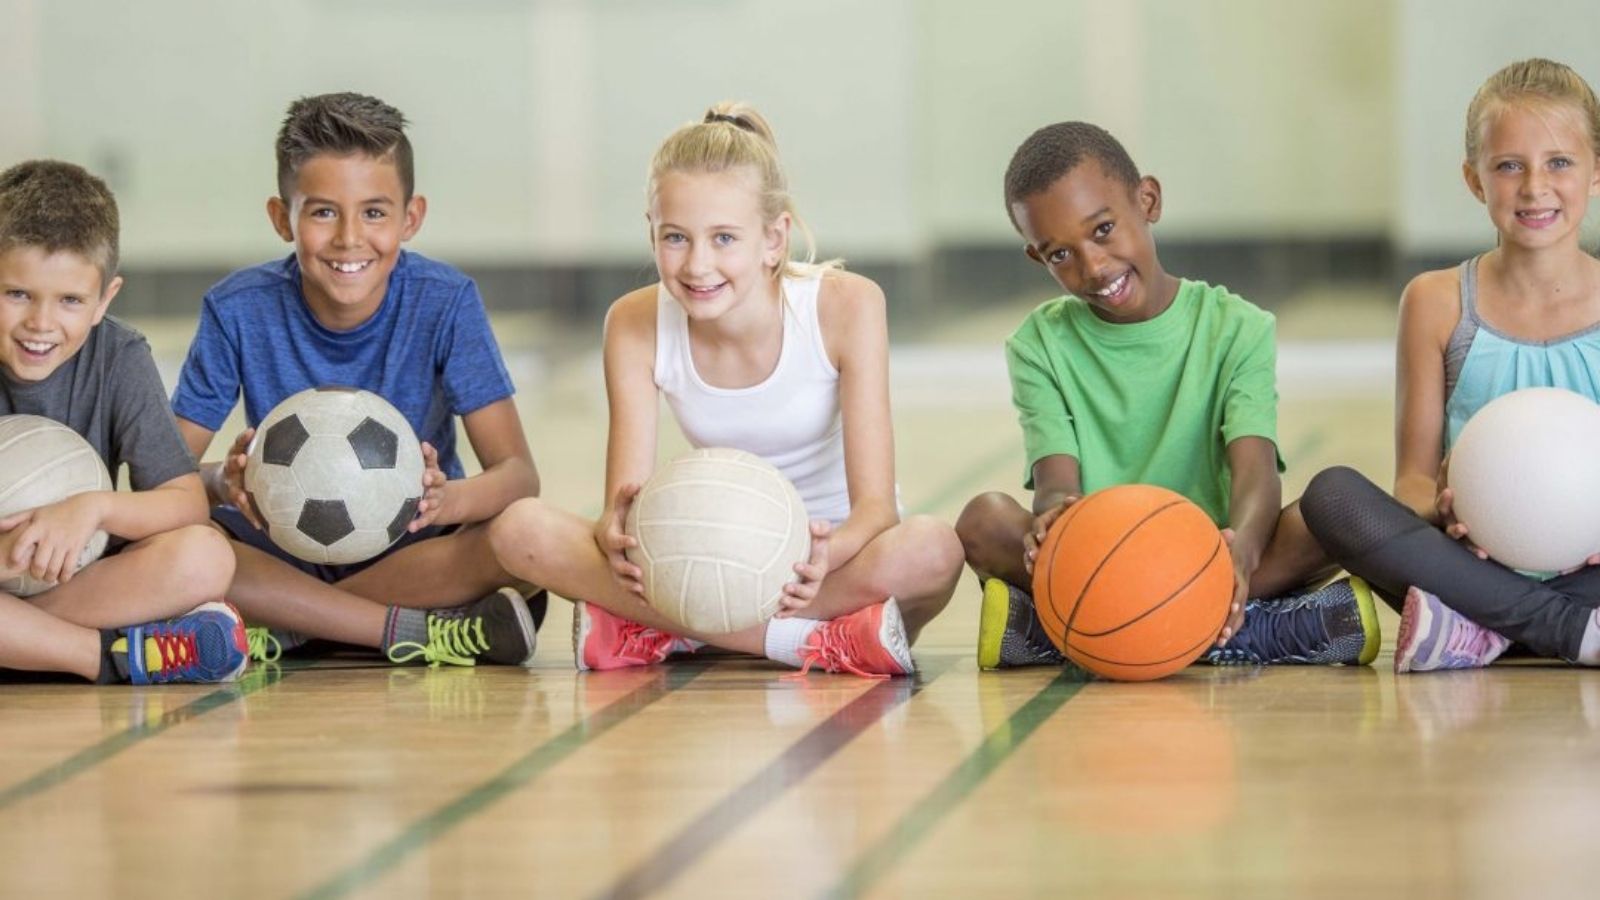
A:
x: 1525, y: 314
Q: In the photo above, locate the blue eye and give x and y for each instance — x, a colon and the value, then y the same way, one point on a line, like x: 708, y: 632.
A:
x: 724, y: 239
x: 672, y: 237
x: 1561, y: 162
x: 1507, y: 166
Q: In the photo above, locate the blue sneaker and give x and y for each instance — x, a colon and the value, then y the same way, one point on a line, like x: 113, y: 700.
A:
x: 1332, y: 625
x: 206, y: 644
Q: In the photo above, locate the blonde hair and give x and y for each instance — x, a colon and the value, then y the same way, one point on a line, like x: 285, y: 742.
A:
x: 1539, y: 81
x: 729, y: 136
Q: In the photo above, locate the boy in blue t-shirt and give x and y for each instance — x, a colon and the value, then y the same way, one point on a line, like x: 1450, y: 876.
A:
x: 349, y: 307
x: 63, y: 359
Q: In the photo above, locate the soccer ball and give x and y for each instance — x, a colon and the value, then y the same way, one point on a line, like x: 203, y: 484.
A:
x: 42, y: 462
x: 335, y: 474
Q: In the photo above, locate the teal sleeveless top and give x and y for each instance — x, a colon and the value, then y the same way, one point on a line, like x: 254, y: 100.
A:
x: 1480, y: 363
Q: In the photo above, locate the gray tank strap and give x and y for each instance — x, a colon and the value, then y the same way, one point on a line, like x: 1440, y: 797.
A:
x: 1455, y: 352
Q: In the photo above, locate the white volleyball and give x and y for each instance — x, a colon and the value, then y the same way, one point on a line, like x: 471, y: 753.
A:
x: 1525, y: 473
x: 335, y: 473
x: 719, y: 533
x: 43, y: 461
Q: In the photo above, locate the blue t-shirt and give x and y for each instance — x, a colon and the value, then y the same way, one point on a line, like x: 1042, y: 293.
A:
x: 428, y: 350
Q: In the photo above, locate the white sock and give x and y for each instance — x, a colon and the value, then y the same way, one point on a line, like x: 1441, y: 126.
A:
x: 1589, y: 650
x: 785, y: 637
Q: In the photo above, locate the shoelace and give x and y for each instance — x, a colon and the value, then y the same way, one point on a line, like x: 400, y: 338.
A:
x: 261, y: 645
x: 642, y: 644
x: 1469, y: 639
x: 452, y: 640
x: 1286, y: 633
x: 176, y: 647
x: 833, y: 648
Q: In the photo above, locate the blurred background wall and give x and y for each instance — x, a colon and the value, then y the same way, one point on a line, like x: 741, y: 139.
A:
x: 1298, y: 143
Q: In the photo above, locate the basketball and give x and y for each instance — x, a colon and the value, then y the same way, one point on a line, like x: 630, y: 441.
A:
x: 719, y: 534
x: 41, y: 462
x: 335, y: 474
x: 1133, y: 582
x: 1525, y: 480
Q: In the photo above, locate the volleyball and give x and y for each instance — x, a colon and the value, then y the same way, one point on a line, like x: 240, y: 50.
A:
x: 719, y: 534
x: 41, y: 462
x: 1525, y: 479
x: 335, y: 474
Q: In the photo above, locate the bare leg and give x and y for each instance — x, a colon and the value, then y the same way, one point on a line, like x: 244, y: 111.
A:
x: 917, y: 562
x: 447, y: 570
x: 1293, y: 558
x: 992, y: 528
x: 33, y: 640
x: 554, y: 548
x: 269, y: 591
x: 157, y: 578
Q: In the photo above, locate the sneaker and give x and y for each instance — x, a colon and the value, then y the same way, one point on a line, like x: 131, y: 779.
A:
x: 1335, y: 624
x: 497, y: 628
x: 603, y: 640
x: 268, y: 644
x: 1009, y: 633
x: 206, y: 644
x: 869, y: 642
x: 1434, y: 636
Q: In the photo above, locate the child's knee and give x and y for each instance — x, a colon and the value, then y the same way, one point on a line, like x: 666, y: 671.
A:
x: 981, y: 516
x: 516, y: 534
x: 934, y: 548
x: 199, y: 560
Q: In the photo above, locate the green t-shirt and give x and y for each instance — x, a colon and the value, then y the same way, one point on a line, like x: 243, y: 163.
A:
x: 1152, y: 402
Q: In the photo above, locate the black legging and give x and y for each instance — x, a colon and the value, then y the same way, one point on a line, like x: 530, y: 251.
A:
x: 1375, y: 536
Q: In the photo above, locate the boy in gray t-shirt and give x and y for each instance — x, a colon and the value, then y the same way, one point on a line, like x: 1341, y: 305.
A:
x: 151, y: 610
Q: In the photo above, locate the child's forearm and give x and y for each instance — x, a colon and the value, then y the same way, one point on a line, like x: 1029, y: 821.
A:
x: 136, y: 515
x: 866, y: 521
x: 1420, y: 494
x: 485, y: 495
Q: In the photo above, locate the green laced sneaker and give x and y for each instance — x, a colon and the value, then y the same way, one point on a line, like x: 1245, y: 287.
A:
x: 261, y: 645
x: 496, y: 629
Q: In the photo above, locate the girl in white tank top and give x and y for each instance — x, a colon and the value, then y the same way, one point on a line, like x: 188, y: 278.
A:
x: 756, y: 352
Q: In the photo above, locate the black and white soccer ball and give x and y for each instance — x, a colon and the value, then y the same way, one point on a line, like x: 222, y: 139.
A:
x: 335, y: 474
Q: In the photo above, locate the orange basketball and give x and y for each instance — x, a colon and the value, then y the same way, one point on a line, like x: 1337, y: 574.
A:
x: 1133, y: 582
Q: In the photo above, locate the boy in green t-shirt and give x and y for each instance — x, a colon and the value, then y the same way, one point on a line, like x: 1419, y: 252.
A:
x: 1138, y: 376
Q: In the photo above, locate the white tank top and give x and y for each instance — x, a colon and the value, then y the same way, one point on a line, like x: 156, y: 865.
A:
x: 791, y: 419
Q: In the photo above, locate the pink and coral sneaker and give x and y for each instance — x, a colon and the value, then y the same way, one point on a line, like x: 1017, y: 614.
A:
x: 1434, y: 636
x: 869, y: 642
x: 602, y: 640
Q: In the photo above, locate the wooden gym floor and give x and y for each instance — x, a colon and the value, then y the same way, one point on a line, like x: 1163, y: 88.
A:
x: 351, y: 777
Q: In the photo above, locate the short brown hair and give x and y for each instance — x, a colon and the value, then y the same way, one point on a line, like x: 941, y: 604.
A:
x: 341, y: 125
x: 58, y: 206
x: 1055, y: 150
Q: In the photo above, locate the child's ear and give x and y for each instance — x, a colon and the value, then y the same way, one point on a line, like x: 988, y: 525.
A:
x: 278, y: 212
x: 1474, y: 183
x: 1148, y: 195
x: 416, y: 211
x: 776, y: 249
x: 1032, y: 254
x: 106, y: 297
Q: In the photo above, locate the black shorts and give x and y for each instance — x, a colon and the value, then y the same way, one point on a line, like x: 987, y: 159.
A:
x: 240, y: 529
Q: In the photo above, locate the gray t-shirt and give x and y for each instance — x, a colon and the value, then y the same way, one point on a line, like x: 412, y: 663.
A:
x: 111, y: 393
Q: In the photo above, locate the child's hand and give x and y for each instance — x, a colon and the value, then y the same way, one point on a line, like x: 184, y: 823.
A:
x: 1453, y: 526
x: 10, y: 531
x: 233, y: 477
x: 614, y: 542
x: 53, y: 536
x: 433, y: 495
x: 797, y: 595
x: 1041, y: 527
x: 1241, y: 594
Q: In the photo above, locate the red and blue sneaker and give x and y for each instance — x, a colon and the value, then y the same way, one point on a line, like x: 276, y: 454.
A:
x: 206, y: 644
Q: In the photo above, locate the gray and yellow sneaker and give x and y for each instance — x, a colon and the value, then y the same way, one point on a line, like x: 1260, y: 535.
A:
x: 497, y: 629
x: 1332, y: 625
x: 1009, y: 633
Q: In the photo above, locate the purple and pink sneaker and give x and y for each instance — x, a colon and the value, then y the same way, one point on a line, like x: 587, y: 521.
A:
x: 1434, y: 636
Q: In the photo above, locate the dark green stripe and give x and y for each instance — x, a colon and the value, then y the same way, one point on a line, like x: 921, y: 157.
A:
x: 931, y: 809
x: 764, y: 788
x: 132, y: 736
x: 533, y: 764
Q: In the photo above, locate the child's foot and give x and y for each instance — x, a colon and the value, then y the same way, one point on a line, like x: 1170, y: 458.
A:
x: 1334, y: 624
x: 1009, y: 633
x: 206, y: 644
x: 496, y: 628
x: 870, y: 642
x: 1434, y: 636
x: 268, y: 644
x: 602, y: 640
